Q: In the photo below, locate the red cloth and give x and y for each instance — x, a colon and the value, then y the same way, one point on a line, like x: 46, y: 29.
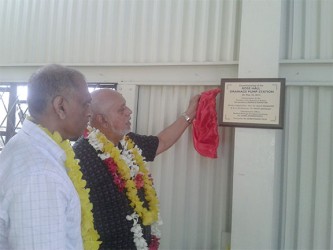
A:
x: 205, y: 126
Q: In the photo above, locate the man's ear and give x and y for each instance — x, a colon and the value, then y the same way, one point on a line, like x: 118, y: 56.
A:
x: 59, y: 106
x: 102, y: 121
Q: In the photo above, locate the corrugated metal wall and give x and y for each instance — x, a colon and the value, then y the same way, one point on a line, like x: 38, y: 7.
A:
x: 96, y: 32
x: 307, y: 31
x: 307, y: 202
x: 195, y: 192
x: 308, y: 169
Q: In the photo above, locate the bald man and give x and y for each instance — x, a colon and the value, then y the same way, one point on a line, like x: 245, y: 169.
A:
x: 125, y: 205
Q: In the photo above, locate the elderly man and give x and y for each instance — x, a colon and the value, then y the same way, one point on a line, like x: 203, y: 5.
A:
x: 125, y: 204
x: 39, y: 205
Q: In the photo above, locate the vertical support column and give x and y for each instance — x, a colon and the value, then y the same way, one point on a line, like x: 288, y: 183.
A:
x: 257, y: 152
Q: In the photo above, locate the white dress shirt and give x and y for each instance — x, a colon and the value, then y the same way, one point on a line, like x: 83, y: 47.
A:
x: 39, y: 206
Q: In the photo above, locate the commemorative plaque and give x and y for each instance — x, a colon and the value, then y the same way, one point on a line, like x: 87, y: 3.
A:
x: 252, y: 102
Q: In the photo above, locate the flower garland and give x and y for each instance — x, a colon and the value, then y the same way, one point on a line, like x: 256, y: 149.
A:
x: 89, y: 235
x: 139, y: 241
x: 129, y: 172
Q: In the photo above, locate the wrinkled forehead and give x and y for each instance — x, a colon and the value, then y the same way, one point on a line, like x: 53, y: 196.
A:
x: 117, y: 100
x: 80, y: 89
x: 82, y: 85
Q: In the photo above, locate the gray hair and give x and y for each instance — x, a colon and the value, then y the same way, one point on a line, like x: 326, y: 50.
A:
x: 48, y: 82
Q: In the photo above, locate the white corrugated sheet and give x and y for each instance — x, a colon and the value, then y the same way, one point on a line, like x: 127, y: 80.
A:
x: 308, y: 169
x: 307, y: 32
x: 307, y: 201
x: 195, y: 191
x: 112, y: 32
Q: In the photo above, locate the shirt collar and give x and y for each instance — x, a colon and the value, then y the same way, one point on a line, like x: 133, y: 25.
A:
x: 42, y: 139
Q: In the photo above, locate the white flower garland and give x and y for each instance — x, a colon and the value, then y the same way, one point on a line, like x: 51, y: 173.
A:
x: 139, y: 241
x: 128, y: 157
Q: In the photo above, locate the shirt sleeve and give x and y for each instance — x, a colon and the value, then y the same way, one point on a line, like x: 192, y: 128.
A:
x: 37, y: 207
x: 3, y: 235
x: 147, y: 143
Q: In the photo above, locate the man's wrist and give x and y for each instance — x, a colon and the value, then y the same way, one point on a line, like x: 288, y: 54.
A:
x: 187, y: 118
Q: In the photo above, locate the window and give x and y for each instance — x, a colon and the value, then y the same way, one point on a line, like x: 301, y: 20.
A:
x: 14, y: 108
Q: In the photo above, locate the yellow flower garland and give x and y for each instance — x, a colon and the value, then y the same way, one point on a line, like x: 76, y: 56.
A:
x: 89, y: 234
x: 148, y: 216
